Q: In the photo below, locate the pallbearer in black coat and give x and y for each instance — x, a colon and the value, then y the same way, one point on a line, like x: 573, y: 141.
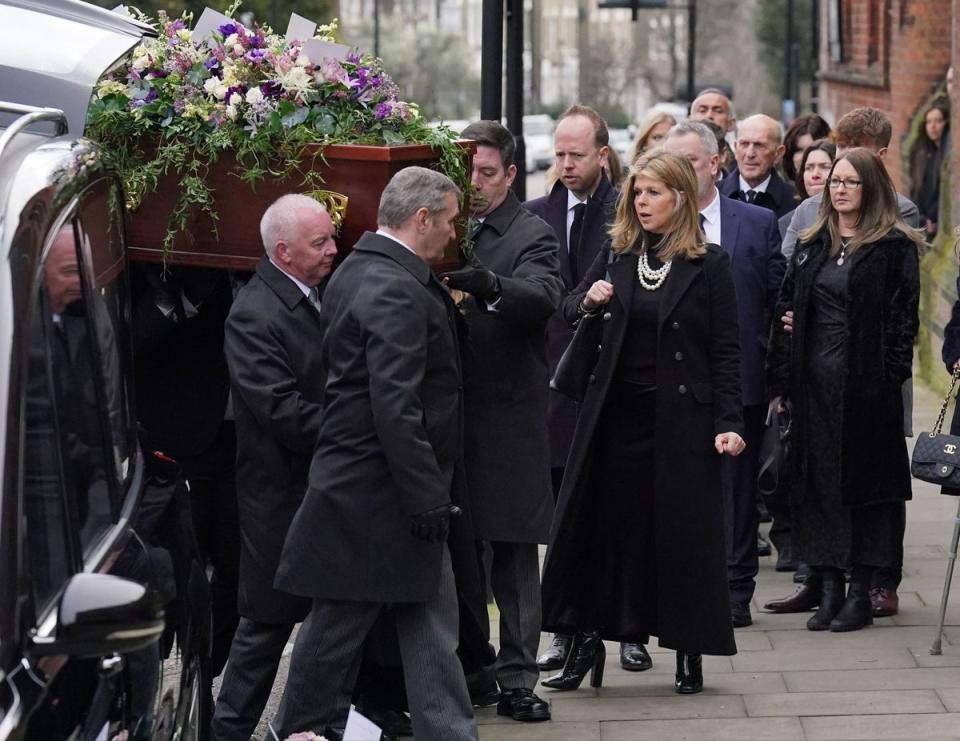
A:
x: 580, y: 208
x: 637, y: 545
x: 273, y: 334
x: 514, y: 284
x: 371, y: 530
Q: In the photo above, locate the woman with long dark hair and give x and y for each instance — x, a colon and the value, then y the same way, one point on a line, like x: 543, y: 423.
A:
x: 925, y: 164
x: 801, y: 133
x: 637, y: 545
x: 849, y: 304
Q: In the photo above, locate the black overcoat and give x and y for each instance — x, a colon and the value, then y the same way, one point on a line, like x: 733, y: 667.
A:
x: 883, y: 293
x: 698, y: 397
x: 780, y: 196
x: 389, y: 442
x: 272, y: 338
x: 597, y: 217
x: 506, y: 379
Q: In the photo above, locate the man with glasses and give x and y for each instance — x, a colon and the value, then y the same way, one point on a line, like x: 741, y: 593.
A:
x: 869, y: 128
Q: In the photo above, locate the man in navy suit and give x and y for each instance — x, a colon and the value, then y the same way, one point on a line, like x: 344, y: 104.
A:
x: 755, y: 180
x: 751, y: 237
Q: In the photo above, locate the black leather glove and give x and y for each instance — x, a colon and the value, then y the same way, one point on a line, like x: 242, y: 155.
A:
x: 475, y: 280
x: 433, y: 525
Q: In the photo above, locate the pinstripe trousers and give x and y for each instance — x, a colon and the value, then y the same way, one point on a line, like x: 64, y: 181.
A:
x: 328, y: 650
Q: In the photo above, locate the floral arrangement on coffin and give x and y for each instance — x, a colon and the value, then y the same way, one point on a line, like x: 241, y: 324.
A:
x: 182, y: 102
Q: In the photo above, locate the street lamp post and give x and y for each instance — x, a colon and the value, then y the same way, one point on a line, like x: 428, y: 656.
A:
x: 491, y: 61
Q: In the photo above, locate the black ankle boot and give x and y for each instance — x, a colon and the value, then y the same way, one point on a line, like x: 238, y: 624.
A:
x: 857, y: 610
x: 586, y: 655
x: 831, y: 599
x: 689, y: 679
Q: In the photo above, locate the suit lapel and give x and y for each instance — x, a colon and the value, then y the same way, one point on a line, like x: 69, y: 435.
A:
x: 729, y: 228
x: 287, y: 291
x: 682, y: 274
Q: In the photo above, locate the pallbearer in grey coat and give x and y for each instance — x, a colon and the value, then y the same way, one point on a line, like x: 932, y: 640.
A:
x: 514, y: 280
x: 371, y: 531
x: 272, y: 335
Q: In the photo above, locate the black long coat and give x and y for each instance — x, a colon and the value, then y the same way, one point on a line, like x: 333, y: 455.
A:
x: 698, y: 397
x: 389, y: 443
x: 506, y: 379
x: 950, y: 352
x: 272, y: 338
x: 597, y: 217
x: 883, y: 293
x: 780, y: 196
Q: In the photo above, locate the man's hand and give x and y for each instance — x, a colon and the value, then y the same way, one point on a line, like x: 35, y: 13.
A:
x: 433, y: 525
x: 477, y: 281
x: 730, y: 443
x: 787, y: 320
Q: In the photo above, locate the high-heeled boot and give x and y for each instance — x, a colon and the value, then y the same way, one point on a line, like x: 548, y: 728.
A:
x: 586, y: 654
x: 857, y: 610
x: 689, y: 679
x: 831, y: 598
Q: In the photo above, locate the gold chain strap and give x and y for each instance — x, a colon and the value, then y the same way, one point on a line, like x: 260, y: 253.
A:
x: 946, y: 402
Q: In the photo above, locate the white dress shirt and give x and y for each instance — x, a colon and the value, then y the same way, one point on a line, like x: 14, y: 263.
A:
x: 711, y: 218
x: 761, y: 188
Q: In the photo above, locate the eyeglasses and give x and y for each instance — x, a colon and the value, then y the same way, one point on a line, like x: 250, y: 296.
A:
x: 847, y: 183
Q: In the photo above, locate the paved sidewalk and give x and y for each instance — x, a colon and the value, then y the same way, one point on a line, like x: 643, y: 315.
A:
x: 787, y: 682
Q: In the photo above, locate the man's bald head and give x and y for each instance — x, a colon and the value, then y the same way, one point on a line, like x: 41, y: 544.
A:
x: 759, y: 146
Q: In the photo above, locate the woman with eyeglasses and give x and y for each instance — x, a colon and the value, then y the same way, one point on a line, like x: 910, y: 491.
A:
x: 816, y: 161
x: 849, y: 310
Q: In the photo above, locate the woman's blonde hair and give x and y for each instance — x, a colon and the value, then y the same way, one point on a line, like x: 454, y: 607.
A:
x: 682, y: 236
x: 879, y: 210
x: 652, y: 120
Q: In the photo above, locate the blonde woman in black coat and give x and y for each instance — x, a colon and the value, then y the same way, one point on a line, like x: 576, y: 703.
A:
x: 850, y: 298
x: 637, y: 546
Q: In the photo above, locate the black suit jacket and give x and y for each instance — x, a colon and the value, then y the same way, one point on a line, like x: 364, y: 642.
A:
x: 182, y: 383
x: 597, y: 217
x: 273, y: 335
x: 780, y: 196
x: 389, y: 444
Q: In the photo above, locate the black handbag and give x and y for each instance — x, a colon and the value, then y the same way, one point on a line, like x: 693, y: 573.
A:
x: 936, y: 457
x: 579, y: 360
x: 775, y: 451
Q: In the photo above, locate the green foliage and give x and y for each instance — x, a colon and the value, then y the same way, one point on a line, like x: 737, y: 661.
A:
x: 771, y: 30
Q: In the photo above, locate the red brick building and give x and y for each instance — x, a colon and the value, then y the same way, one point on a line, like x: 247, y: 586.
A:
x: 894, y: 55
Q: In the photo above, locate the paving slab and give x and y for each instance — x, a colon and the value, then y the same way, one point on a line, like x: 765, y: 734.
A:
x: 873, y: 679
x: 835, y: 657
x: 552, y: 731
x: 732, y: 729
x: 913, y: 727
x: 652, y: 708
x: 845, y: 703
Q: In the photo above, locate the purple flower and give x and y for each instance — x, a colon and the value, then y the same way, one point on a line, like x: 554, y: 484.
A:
x: 151, y: 96
x: 178, y: 25
x: 361, y: 76
x: 134, y: 104
x: 382, y: 111
x: 271, y: 89
x: 255, y: 55
x: 156, y: 74
x: 240, y: 89
x: 229, y: 28
x: 353, y: 57
x: 256, y: 41
x: 212, y: 63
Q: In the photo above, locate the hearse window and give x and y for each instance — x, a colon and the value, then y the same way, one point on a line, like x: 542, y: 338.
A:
x: 79, y: 392
x: 99, y: 219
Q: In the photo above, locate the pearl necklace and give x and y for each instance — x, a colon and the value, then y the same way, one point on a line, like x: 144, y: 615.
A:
x: 649, y: 278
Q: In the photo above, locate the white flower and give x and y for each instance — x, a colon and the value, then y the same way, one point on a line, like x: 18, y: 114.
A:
x: 235, y: 99
x: 231, y: 110
x: 230, y: 40
x: 302, y: 61
x: 184, y: 34
x: 296, y: 80
x: 254, y: 96
x: 110, y: 87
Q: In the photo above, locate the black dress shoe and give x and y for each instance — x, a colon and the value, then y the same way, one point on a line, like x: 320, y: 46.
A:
x: 806, y: 597
x: 740, y: 614
x: 521, y: 704
x: 763, y: 547
x: 785, y: 559
x: 634, y: 657
x: 556, y: 654
x: 586, y: 655
x: 689, y: 679
x: 393, y: 723
x: 484, y: 697
x: 855, y: 614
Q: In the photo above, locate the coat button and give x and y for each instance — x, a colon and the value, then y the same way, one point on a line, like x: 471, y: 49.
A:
x: 682, y: 389
x: 593, y: 378
x: 599, y: 348
x: 675, y: 325
x: 678, y: 356
x: 607, y: 316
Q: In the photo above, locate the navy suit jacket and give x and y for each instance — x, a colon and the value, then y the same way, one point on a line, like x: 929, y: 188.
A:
x: 780, y: 196
x: 597, y: 217
x: 750, y: 235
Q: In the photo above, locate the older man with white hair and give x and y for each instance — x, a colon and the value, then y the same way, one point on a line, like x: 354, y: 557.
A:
x: 273, y: 335
x: 758, y: 148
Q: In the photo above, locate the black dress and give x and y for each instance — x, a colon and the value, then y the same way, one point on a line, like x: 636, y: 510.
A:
x: 625, y: 588
x: 826, y: 531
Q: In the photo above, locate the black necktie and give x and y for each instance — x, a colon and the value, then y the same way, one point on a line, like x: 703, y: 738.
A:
x: 703, y: 220
x: 751, y: 196
x: 573, y: 244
